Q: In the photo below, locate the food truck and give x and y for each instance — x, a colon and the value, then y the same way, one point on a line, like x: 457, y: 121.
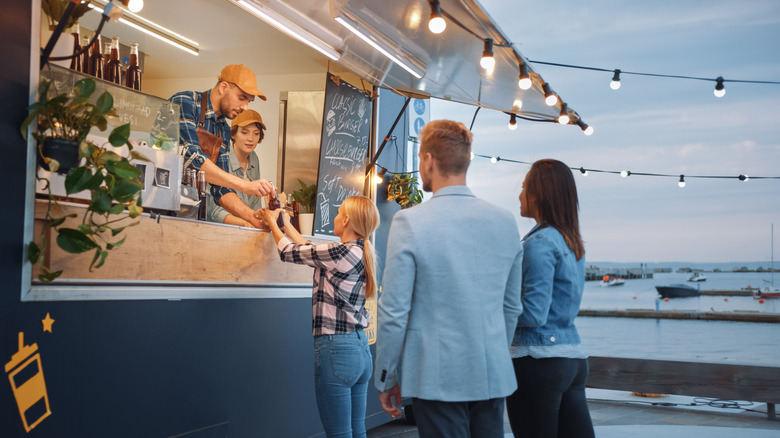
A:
x: 192, y: 328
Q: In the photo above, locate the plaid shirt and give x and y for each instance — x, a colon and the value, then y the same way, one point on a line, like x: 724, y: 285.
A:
x: 339, y: 294
x: 188, y: 122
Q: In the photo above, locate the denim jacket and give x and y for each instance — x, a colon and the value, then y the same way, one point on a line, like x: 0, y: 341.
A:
x: 553, y: 281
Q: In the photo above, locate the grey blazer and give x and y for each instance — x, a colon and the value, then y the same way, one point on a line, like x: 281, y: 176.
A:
x: 451, y: 297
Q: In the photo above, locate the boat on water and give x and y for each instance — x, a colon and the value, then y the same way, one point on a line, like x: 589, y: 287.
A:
x: 698, y: 276
x: 677, y: 291
x: 611, y: 280
x: 767, y: 292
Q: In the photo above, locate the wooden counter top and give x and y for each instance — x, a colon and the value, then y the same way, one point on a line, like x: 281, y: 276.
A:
x: 179, y: 250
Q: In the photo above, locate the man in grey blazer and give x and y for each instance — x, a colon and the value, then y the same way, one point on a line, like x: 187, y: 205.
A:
x: 451, y: 298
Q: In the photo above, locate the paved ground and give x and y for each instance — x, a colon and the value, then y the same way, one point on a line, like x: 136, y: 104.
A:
x: 620, y: 414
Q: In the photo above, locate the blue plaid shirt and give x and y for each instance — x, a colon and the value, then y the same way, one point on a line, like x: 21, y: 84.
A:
x: 188, y: 135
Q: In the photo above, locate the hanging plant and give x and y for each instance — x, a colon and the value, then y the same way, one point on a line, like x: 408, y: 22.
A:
x: 404, y: 190
x: 111, y: 178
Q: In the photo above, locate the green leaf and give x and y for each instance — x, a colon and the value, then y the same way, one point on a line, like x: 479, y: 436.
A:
x: 117, y: 208
x: 100, y: 258
x: 45, y: 276
x: 107, y: 156
x: 75, y: 179
x: 138, y: 156
x: 123, y: 169
x: 101, y: 202
x: 125, y: 190
x: 74, y: 241
x: 119, y: 135
x: 85, y: 87
x: 56, y: 222
x: 104, y: 103
x: 116, y: 244
x: 33, y: 252
x: 86, y: 229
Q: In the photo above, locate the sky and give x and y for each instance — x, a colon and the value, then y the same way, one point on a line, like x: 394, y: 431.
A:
x: 652, y: 125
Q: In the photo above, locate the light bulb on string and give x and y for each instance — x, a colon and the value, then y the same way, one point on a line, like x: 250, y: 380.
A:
x: 583, y: 171
x: 549, y: 97
x: 436, y: 24
x: 517, y: 105
x: 744, y: 178
x: 472, y: 155
x: 588, y: 130
x: 488, y: 62
x: 681, y: 183
x: 625, y: 173
x: 494, y: 160
x: 380, y: 177
x: 563, y: 118
x: 720, y: 90
x: 525, y: 80
x: 615, y: 84
x: 512, y: 122
x: 135, y: 5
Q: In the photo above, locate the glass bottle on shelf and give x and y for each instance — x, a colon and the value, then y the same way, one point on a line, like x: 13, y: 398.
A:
x: 75, y: 62
x: 106, y: 56
x: 96, y: 59
x: 133, y: 74
x: 114, y: 65
x: 85, y: 55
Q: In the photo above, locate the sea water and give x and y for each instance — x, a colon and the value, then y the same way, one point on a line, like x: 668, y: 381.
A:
x: 668, y: 339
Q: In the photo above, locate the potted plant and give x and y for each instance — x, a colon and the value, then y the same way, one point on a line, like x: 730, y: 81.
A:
x: 109, y: 177
x: 404, y: 190
x: 306, y: 197
x: 55, y: 8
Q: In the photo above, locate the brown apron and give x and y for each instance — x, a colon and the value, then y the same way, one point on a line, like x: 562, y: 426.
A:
x: 209, y: 143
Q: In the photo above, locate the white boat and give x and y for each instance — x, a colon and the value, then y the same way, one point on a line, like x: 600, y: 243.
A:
x: 609, y: 281
x: 698, y: 276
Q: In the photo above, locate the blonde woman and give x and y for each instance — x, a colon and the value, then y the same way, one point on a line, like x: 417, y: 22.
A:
x: 344, y: 276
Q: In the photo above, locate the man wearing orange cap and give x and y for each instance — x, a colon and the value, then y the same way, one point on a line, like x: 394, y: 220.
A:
x: 236, y: 86
x: 246, y: 132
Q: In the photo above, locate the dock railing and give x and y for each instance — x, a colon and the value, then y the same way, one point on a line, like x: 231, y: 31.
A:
x: 724, y: 381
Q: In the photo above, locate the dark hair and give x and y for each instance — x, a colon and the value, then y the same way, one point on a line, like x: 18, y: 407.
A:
x: 553, y: 193
x: 449, y: 143
x: 234, y: 129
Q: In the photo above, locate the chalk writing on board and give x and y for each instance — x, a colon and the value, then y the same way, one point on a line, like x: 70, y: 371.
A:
x: 343, y: 150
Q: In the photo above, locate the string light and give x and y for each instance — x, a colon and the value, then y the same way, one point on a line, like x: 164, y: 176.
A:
x: 681, y: 183
x: 525, y: 80
x: 512, y: 122
x: 472, y: 155
x: 549, y: 97
x: 615, y: 84
x: 720, y: 90
x: 488, y: 62
x: 588, y: 130
x: 436, y: 24
x: 517, y: 105
x: 563, y: 118
x: 626, y: 173
x: 380, y: 177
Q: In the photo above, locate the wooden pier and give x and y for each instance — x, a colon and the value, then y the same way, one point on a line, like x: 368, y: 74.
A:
x: 704, y: 316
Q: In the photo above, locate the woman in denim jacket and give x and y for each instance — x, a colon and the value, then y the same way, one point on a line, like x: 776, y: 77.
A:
x: 550, y: 362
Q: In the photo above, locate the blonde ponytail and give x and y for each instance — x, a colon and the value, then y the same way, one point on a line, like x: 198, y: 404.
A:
x: 364, y: 220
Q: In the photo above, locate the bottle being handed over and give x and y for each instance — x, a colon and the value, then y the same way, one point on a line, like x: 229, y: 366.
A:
x: 273, y: 204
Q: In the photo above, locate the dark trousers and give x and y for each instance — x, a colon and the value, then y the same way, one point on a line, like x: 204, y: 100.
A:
x: 550, y: 399
x: 470, y: 419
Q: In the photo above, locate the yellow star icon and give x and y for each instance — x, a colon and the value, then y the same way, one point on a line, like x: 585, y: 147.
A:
x: 47, y: 323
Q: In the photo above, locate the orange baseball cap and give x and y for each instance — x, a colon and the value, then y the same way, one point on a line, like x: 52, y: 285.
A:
x: 243, y: 77
x: 247, y: 117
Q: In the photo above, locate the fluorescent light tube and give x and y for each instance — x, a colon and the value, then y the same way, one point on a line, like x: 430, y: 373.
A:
x: 289, y: 27
x: 153, y: 29
x: 382, y: 46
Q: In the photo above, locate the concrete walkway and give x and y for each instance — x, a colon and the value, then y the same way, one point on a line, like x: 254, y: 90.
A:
x: 618, y: 414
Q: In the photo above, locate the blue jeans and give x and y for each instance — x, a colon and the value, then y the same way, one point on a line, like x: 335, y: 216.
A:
x: 342, y: 370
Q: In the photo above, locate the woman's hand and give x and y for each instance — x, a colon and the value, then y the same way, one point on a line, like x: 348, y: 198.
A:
x: 269, y: 216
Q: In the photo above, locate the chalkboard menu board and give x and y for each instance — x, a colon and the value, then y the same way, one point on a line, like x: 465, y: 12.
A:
x: 343, y: 150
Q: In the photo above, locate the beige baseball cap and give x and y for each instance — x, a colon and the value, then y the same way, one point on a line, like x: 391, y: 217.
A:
x: 247, y: 117
x: 243, y: 77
